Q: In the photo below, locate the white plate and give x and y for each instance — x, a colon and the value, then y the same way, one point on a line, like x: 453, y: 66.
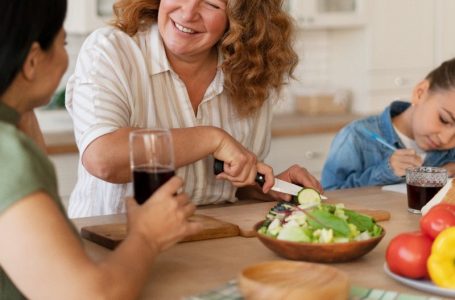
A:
x: 423, y: 285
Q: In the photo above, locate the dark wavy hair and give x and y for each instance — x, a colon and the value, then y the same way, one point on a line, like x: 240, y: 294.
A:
x: 257, y: 47
x: 23, y: 22
x: 443, y: 77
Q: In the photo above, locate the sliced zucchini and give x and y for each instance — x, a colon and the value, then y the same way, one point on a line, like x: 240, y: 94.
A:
x: 308, y: 197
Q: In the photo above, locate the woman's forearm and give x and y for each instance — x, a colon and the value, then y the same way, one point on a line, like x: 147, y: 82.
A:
x: 133, y: 257
x: 108, y: 156
x: 195, y: 143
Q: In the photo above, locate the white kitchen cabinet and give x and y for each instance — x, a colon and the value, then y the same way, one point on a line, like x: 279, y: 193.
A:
x: 400, y: 50
x: 399, y: 44
x: 311, y: 14
x: 445, y: 29
x: 66, y: 169
x: 309, y: 151
x: 386, y: 86
x: 401, y: 34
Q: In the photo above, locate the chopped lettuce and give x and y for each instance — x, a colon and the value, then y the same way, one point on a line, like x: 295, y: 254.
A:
x: 293, y: 234
x: 324, y: 223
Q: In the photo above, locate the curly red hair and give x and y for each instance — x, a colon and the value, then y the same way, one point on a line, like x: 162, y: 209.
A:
x: 257, y: 46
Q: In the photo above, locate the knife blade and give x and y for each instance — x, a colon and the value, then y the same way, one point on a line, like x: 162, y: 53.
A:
x: 280, y: 186
x: 289, y: 188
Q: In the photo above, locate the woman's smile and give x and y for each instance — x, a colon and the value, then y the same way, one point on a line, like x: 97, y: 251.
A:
x: 183, y: 28
x: 190, y: 28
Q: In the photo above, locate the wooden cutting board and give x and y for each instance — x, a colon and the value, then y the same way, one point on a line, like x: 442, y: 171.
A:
x: 111, y: 235
x: 377, y: 215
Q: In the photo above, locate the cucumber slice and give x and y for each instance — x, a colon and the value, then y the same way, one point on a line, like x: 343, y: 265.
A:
x: 309, y: 196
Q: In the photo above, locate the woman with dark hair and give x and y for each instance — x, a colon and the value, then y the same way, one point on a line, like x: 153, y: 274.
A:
x: 41, y: 256
x: 421, y: 132
x: 208, y: 70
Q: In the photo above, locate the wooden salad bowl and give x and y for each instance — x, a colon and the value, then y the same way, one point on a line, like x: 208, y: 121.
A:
x: 318, y: 252
x: 292, y: 280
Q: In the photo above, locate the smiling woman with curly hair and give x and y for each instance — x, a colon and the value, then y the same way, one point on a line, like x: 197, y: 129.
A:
x: 257, y: 47
x: 210, y: 70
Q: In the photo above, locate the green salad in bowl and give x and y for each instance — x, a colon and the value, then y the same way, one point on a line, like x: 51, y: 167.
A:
x: 324, y: 223
x: 307, y: 229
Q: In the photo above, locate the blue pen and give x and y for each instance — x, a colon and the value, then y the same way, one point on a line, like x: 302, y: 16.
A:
x: 376, y: 137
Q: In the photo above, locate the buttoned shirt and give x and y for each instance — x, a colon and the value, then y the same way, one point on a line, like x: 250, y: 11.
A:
x: 122, y: 81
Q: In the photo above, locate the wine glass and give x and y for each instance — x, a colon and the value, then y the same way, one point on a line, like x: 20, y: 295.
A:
x: 152, y: 161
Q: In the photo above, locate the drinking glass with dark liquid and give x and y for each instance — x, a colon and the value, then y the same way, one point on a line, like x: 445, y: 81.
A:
x: 422, y: 184
x: 152, y: 161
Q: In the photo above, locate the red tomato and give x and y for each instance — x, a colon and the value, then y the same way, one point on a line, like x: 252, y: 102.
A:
x: 407, y: 254
x: 437, y: 219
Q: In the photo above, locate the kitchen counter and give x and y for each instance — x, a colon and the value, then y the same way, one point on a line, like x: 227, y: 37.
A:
x: 194, y: 267
x: 298, y: 124
x: 57, y: 127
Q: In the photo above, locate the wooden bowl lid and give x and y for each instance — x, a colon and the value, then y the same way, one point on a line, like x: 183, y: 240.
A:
x: 293, y: 280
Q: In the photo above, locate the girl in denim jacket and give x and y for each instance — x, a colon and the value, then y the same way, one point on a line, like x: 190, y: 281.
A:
x: 423, y: 132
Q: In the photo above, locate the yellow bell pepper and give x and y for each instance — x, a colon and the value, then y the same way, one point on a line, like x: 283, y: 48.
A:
x: 441, y: 263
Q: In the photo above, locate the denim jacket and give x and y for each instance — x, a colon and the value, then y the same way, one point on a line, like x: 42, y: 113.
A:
x: 355, y: 160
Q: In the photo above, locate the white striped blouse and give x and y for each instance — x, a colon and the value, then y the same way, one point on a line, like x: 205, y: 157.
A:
x: 122, y: 81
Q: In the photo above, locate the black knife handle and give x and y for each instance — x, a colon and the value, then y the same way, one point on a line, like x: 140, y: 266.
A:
x: 218, y: 168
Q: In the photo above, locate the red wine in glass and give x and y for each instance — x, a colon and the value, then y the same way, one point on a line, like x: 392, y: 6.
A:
x: 418, y: 196
x: 147, y: 180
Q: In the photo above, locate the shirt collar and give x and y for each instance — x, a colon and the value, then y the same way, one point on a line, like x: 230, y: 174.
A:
x: 8, y: 114
x: 159, y: 61
x: 386, y: 125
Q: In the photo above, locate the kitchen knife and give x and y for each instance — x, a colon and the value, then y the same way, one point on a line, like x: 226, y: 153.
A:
x: 279, y: 186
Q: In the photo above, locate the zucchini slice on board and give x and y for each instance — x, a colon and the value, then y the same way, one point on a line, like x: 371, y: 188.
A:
x: 308, y: 197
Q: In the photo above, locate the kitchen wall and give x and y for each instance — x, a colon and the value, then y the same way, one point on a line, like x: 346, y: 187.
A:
x: 74, y: 43
x: 378, y: 54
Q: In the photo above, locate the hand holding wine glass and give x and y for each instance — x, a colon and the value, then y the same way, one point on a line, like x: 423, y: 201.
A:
x: 170, y: 222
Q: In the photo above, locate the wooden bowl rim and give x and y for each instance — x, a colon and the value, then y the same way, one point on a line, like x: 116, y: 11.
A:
x: 250, y: 283
x: 324, y: 245
x: 288, y: 262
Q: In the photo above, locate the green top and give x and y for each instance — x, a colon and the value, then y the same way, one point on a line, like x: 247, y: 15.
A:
x: 25, y: 169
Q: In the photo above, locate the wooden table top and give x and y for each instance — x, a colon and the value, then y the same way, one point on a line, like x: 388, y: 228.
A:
x: 195, y: 267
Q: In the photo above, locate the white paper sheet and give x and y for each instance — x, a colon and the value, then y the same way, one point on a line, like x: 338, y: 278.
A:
x: 399, y: 188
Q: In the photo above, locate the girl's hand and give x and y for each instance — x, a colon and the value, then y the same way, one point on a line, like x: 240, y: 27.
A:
x: 300, y: 176
x: 402, y: 159
x: 163, y: 219
x: 450, y: 168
